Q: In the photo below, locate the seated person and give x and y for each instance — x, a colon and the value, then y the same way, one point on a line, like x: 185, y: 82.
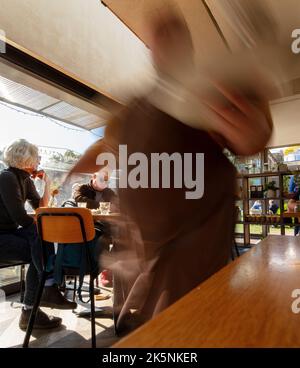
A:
x: 292, y: 203
x: 294, y: 186
x: 71, y: 201
x: 19, y: 241
x: 273, y: 207
x: 256, y: 208
x: 96, y: 191
x: 92, y: 194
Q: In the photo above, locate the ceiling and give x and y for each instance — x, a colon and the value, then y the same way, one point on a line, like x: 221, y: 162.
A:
x: 102, y: 44
x: 218, y: 25
x: 81, y: 39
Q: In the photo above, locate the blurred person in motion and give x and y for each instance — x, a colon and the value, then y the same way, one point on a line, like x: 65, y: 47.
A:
x: 169, y: 244
x: 19, y: 241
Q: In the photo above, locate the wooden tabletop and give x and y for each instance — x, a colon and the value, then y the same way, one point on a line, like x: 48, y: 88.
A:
x: 110, y: 217
x: 246, y: 304
x: 96, y: 217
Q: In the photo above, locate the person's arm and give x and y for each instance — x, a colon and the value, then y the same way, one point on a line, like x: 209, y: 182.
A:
x: 46, y: 197
x: 34, y: 198
x: 12, y: 198
x: 110, y: 143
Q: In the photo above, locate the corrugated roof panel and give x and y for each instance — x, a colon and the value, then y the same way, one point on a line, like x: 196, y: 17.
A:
x: 27, y: 97
x: 23, y: 95
x: 87, y: 120
x: 67, y: 112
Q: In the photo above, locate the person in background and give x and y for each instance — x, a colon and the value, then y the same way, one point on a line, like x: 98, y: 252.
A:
x: 92, y: 194
x: 71, y: 201
x: 96, y: 191
x: 294, y: 185
x: 273, y: 207
x: 256, y: 208
x: 19, y: 241
x: 292, y: 203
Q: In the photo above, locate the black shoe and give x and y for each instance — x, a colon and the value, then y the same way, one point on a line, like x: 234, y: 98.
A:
x: 42, y: 320
x: 52, y: 298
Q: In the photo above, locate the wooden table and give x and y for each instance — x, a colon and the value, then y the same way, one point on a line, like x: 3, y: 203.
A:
x: 246, y: 304
x: 96, y: 217
x: 110, y: 217
x: 291, y: 214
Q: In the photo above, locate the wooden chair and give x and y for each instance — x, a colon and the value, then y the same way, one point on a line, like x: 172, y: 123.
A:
x: 65, y: 226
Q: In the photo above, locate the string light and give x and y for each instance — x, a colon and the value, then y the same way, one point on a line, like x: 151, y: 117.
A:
x: 48, y: 118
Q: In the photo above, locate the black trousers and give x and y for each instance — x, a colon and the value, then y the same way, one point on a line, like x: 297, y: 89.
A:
x: 23, y: 245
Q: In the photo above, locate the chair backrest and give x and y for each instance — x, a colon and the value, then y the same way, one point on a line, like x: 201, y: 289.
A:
x: 65, y: 225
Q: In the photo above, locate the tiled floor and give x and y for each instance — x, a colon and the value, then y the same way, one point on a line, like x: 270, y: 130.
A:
x: 74, y: 332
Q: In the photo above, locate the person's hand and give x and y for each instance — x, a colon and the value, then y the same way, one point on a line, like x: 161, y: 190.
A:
x: 244, y: 125
x: 54, y: 192
x: 46, y: 178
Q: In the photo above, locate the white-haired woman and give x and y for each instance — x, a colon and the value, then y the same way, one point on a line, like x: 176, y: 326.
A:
x: 18, y: 234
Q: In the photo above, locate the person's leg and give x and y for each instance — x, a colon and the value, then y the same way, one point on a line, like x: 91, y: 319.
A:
x: 31, y: 236
x: 14, y: 249
x: 31, y: 285
x: 51, y: 296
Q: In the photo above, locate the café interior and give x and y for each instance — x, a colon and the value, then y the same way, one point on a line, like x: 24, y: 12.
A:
x: 79, y: 63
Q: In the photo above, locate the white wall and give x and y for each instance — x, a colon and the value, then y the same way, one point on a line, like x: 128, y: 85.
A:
x: 286, y: 118
x: 81, y: 36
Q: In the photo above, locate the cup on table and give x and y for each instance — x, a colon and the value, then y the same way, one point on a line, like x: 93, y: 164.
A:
x: 81, y: 204
x: 104, y: 208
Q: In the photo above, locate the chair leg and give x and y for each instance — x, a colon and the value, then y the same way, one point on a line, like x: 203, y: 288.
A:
x: 232, y: 254
x: 113, y: 308
x: 92, y: 297
x: 75, y: 287
x: 34, y: 310
x: 236, y: 249
x: 22, y: 283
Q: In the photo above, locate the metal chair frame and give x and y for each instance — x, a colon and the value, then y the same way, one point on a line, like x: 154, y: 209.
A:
x: 45, y: 274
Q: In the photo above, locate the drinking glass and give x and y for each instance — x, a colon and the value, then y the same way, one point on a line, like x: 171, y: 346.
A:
x: 104, y: 208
